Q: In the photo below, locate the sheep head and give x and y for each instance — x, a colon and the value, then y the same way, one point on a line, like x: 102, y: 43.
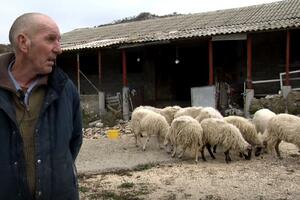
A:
x: 249, y: 152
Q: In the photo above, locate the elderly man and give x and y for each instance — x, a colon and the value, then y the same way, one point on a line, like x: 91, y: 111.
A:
x: 40, y: 117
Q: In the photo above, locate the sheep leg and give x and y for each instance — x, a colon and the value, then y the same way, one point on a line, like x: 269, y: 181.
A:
x: 174, y: 150
x: 196, y: 153
x: 277, y: 149
x: 147, y: 140
x: 208, y: 146
x: 271, y: 144
x: 168, y: 144
x: 202, y: 153
x: 159, y: 142
x: 182, y: 152
x: 227, y: 156
x: 140, y: 139
x: 136, y: 140
x: 137, y: 137
x: 215, y: 149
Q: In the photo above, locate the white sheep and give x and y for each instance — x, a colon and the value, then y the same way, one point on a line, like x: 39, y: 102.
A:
x: 282, y: 127
x: 189, y: 111
x: 135, y: 123
x: 168, y: 112
x: 208, y: 112
x: 248, y: 131
x: 261, y: 118
x: 218, y: 132
x: 185, y: 131
x: 152, y: 123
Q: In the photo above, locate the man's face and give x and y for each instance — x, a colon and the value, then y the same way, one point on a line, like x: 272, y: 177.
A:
x: 44, y: 47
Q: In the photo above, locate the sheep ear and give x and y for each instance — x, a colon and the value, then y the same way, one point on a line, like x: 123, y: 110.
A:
x: 265, y: 143
x: 249, y: 147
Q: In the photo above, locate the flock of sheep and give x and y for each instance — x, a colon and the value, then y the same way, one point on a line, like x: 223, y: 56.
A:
x: 198, y: 128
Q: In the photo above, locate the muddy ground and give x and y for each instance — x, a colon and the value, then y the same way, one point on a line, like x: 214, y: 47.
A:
x: 116, y: 169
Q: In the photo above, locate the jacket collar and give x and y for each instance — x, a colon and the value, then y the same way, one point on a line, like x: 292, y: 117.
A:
x: 56, y: 79
x: 56, y: 82
x: 5, y: 81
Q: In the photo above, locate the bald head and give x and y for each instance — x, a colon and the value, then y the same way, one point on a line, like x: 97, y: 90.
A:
x: 27, y: 24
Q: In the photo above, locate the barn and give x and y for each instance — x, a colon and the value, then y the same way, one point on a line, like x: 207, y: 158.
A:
x: 219, y: 58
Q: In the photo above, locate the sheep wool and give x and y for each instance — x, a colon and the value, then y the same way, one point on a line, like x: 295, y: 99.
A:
x: 189, y: 111
x: 154, y: 124
x: 135, y: 123
x: 247, y: 130
x: 282, y: 127
x: 261, y: 118
x: 168, y: 112
x: 208, y: 112
x: 186, y: 132
x: 219, y: 132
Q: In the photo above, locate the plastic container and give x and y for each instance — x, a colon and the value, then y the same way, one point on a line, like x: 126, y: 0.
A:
x: 113, y: 134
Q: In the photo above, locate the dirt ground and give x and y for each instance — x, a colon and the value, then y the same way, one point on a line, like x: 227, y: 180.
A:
x: 118, y: 170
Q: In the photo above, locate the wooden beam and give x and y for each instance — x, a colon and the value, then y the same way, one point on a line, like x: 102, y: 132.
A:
x: 210, y: 61
x: 249, y: 61
x: 99, y: 66
x: 124, y: 67
x: 78, y: 72
x: 287, y: 58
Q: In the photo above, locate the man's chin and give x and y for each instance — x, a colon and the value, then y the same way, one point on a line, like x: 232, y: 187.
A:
x: 47, y: 70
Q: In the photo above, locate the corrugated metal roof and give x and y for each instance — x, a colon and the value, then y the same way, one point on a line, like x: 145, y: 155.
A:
x: 277, y: 15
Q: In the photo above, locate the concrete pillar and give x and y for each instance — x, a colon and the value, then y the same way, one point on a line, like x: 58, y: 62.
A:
x: 286, y: 89
x: 101, y: 99
x: 247, y: 103
x: 125, y: 100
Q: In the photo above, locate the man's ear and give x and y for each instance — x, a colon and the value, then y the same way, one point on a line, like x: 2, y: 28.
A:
x: 23, y: 42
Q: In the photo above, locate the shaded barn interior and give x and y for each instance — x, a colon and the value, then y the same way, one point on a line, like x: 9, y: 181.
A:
x: 163, y: 74
x: 151, y: 72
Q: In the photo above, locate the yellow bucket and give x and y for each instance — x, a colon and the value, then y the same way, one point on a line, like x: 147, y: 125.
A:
x: 113, y: 133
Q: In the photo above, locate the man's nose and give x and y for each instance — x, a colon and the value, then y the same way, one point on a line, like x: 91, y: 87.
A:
x: 57, y: 48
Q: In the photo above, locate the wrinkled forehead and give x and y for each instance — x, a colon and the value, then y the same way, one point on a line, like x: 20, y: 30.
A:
x: 42, y: 24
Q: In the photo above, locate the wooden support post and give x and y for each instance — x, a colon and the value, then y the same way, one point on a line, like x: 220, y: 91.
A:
x: 78, y: 72
x: 249, y: 62
x: 287, y: 58
x: 210, y: 61
x: 124, y: 67
x: 99, y: 66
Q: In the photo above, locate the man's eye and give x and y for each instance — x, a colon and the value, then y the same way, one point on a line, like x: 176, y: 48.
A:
x: 51, y: 39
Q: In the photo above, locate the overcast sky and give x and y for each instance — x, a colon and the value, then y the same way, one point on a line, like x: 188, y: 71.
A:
x: 72, y: 14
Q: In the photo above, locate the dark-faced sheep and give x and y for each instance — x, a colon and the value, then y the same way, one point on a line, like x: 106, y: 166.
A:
x: 248, y: 131
x: 218, y: 132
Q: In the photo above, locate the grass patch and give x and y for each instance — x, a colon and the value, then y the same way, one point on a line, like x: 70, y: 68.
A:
x: 126, y: 185
x: 83, y: 189
x: 107, y: 194
x: 143, y: 167
x: 123, y: 172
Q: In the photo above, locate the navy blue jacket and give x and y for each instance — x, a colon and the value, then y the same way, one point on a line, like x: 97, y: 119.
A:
x: 58, y: 135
